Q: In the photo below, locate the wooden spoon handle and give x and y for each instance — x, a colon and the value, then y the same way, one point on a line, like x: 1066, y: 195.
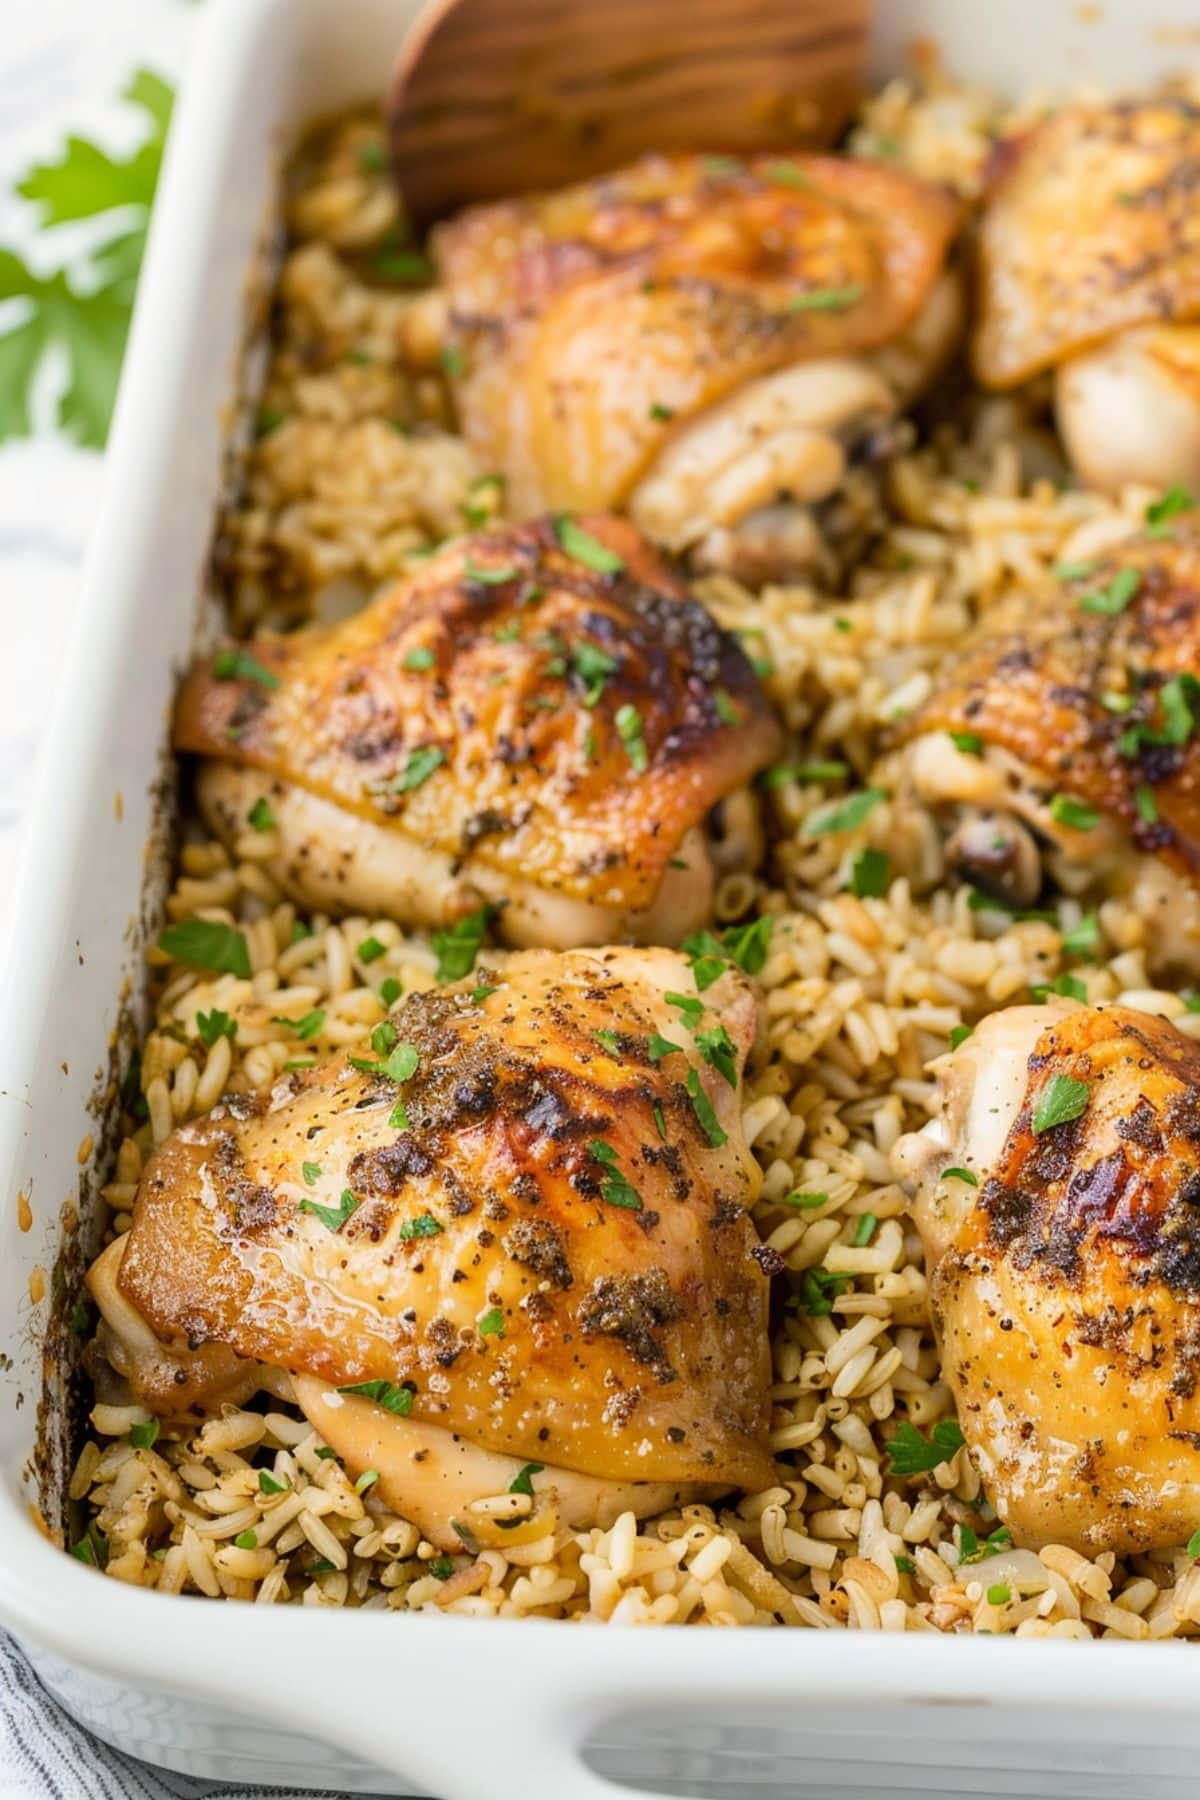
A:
x: 494, y: 97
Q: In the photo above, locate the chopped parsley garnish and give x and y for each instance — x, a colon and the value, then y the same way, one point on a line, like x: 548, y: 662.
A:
x: 333, y: 1217
x: 366, y: 1480
x: 208, y: 944
x: 311, y: 1172
x: 421, y: 657
x: 79, y: 1319
x: 489, y: 577
x: 308, y: 1026
x: 999, y: 1594
x: 864, y: 1231
x: 1068, y: 986
x: 959, y: 1035
x: 629, y: 729
x: 270, y: 1484
x: 660, y: 1123
x: 593, y: 667
x: 787, y: 175
x: 748, y: 944
x: 1147, y: 805
x: 912, y: 1454
x: 869, y: 874
x: 213, y: 1025
x: 614, y: 1188
x: 372, y: 156
x: 1075, y: 571
x: 144, y: 1435
x: 452, y: 361
x: 260, y: 817
x: 491, y: 1323
x: 246, y: 1540
x: 842, y: 815
x: 1115, y: 597
x: 423, y: 1226
x: 1178, y: 699
x: 716, y: 1047
x: 390, y: 990
x: 831, y: 299
x: 1083, y: 939
x: 300, y: 1062
x: 392, y: 1398
x: 1061, y: 1100
x: 582, y: 547
x: 1159, y: 513
x: 465, y: 1536
x: 969, y: 742
x: 1065, y: 810
x: 727, y: 710
x: 659, y: 412
x: 608, y: 1040
x: 690, y: 1009
x: 972, y: 1549
x: 441, y: 1566
x: 522, y: 1482
x: 402, y: 1062
x: 1116, y: 703
x: 905, y: 1565
x: 370, y: 950
x: 457, y: 947
x: 1193, y: 1544
x: 398, y: 1119
x: 819, y: 1288
x: 479, y: 994
x: 403, y: 265
x: 707, y: 957
x: 420, y: 766
x: 658, y: 1046
x: 956, y: 1173
x: 702, y: 1106
x: 804, y: 1202
x: 238, y: 665
x: 383, y: 1037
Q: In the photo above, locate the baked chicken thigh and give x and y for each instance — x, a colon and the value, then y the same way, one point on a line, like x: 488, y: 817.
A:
x: 1058, y: 1196
x: 516, y: 1235
x: 702, y: 341
x: 540, y: 720
x: 1090, y: 266
x: 1064, y: 736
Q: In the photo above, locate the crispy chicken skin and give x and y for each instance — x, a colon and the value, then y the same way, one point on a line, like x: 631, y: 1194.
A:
x: 595, y: 328
x: 548, y: 1272
x: 1089, y: 259
x: 1066, y: 1285
x: 510, y: 724
x: 1091, y: 706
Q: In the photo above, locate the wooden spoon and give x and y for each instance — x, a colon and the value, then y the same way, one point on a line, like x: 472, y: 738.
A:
x: 495, y: 97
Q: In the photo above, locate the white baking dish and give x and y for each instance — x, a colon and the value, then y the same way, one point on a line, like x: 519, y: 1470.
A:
x: 365, y: 1701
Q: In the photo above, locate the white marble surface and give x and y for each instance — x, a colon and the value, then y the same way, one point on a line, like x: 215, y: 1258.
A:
x: 61, y: 64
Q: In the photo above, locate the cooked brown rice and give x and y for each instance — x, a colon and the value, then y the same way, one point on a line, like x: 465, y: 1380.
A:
x: 355, y: 469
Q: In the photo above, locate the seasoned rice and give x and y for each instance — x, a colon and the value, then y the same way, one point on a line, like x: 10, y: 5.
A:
x: 354, y: 470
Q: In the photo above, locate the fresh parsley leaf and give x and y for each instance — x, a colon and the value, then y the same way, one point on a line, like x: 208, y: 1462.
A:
x: 864, y: 1231
x: 582, y: 547
x: 370, y: 950
x: 421, y: 657
x: 1193, y: 1544
x: 383, y: 1037
x: 843, y: 815
x: 441, y: 1566
x: 869, y: 874
x: 608, y: 1040
x: 702, y: 1106
x: 912, y: 1454
x: 690, y: 1009
x: 658, y: 1046
x: 593, y: 667
x: 615, y: 1190
x: 366, y: 1480
x: 306, y: 1027
x: 969, y: 742
x: 421, y: 764
x: 960, y: 1174
x: 333, y: 1217
x: 246, y: 1540
x: 491, y: 1322
x: 959, y: 1035
x: 390, y: 990
x: 239, y: 665
x: 833, y: 299
x: 423, y: 1226
x: 398, y: 1119
x: 747, y: 945
x: 1068, y: 986
x: 804, y: 1202
x: 522, y: 1481
x: 490, y: 577
x: 457, y: 947
x: 819, y: 1288
x: 1061, y: 1100
x: 1083, y: 939
x: 1159, y: 513
x: 628, y: 722
x: 1113, y: 599
x: 270, y: 1484
x: 207, y: 944
x: 311, y: 1172
x: 260, y: 817
x: 716, y: 1047
x: 145, y: 1435
x: 213, y: 1025
x: 707, y: 956
x: 726, y: 708
x: 1065, y: 810
x: 392, y: 1398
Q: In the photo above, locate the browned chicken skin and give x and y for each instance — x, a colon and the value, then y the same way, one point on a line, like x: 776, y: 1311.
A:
x: 1055, y: 711
x: 1065, y: 1269
x: 692, y: 338
x: 1090, y: 264
x: 539, y: 727
x: 531, y: 1237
